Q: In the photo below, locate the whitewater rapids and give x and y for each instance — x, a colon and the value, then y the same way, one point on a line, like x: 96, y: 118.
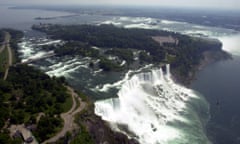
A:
x: 153, y: 109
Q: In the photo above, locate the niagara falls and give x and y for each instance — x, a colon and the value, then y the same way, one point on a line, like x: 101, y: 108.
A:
x: 153, y: 109
x: 119, y: 72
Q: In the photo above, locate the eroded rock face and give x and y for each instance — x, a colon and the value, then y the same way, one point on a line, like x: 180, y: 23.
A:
x: 100, y: 132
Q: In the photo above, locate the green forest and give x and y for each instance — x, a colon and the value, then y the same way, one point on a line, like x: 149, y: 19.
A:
x: 28, y: 92
x: 183, y: 56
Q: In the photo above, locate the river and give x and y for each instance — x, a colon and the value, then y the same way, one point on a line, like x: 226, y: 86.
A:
x: 218, y: 82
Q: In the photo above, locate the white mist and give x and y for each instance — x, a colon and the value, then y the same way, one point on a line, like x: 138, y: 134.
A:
x: 154, y: 108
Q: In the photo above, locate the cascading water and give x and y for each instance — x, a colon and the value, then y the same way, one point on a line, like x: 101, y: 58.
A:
x: 153, y: 109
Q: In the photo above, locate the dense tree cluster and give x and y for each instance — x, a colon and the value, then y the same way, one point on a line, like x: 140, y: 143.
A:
x: 107, y: 36
x: 145, y: 57
x: 26, y: 93
x: 77, y: 48
x: 109, y: 65
x: 190, y: 51
x: 35, y: 91
x: 124, y: 54
x: 46, y: 127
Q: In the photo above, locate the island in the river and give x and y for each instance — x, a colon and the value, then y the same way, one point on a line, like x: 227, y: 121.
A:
x: 46, y: 109
x: 121, y: 49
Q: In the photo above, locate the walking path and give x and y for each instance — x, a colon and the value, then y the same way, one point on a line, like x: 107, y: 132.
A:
x: 10, y: 58
x: 6, y: 45
x: 68, y: 117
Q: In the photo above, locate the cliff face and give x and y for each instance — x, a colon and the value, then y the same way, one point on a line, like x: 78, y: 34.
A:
x: 100, y: 131
x: 208, y: 57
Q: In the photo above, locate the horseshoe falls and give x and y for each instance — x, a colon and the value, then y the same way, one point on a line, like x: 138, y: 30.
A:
x: 153, y: 109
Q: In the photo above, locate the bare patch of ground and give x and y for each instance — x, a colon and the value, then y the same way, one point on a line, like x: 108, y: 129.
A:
x: 165, y: 39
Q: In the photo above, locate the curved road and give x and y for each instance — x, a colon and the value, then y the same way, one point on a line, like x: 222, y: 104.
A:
x: 68, y: 117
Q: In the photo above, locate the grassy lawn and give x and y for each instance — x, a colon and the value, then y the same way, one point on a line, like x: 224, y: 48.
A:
x: 3, y: 60
x: 68, y: 104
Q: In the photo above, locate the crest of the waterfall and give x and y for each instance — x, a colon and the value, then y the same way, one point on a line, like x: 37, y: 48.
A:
x: 152, y: 107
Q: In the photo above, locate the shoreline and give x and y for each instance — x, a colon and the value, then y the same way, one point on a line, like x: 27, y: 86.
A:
x: 209, y: 57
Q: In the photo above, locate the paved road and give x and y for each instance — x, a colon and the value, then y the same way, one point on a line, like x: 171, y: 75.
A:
x: 68, y: 117
x: 10, y: 58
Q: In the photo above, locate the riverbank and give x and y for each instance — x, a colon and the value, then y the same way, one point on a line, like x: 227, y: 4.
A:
x: 208, y: 58
x: 219, y: 83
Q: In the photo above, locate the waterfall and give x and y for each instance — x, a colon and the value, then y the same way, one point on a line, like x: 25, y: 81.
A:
x: 153, y: 107
x: 168, y: 71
